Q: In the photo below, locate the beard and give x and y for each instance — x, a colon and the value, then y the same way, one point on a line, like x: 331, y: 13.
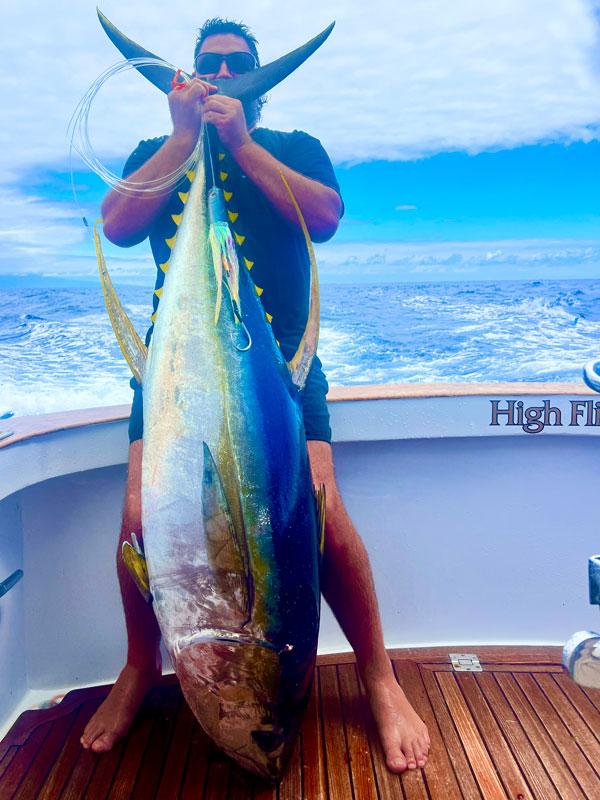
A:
x: 252, y: 111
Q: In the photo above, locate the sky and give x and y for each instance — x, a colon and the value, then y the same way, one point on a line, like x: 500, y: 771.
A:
x: 465, y: 136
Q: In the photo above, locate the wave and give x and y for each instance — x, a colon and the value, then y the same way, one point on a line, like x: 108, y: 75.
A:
x: 58, y: 351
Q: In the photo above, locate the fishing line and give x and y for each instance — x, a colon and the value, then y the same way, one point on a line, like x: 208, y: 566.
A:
x: 78, y: 136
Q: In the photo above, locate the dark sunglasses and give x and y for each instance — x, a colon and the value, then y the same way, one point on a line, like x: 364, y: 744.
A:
x: 210, y: 63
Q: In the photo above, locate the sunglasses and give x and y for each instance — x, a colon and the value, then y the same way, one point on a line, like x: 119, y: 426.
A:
x: 238, y: 63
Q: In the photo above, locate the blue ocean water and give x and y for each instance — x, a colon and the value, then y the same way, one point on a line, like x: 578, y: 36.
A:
x: 58, y: 351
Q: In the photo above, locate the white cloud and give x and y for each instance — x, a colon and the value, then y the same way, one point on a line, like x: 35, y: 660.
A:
x: 43, y: 238
x: 510, y: 259
x: 393, y: 81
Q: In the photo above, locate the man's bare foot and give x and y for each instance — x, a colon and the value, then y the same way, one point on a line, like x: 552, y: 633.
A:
x: 113, y: 718
x: 403, y: 734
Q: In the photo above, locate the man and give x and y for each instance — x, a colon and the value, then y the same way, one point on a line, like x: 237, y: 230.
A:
x: 248, y: 167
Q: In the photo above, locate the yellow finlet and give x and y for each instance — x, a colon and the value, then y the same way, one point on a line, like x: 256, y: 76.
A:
x: 135, y: 562
x: 227, y: 196
x: 165, y: 266
x: 258, y: 290
x: 232, y: 215
x: 223, y: 176
x: 221, y: 156
x: 177, y: 218
x: 171, y: 242
x: 249, y: 264
x: 153, y: 317
x: 239, y: 239
x: 190, y: 175
x: 183, y: 196
x: 269, y: 317
x: 158, y: 292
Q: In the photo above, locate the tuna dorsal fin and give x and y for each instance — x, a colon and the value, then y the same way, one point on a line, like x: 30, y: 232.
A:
x: 224, y: 553
x: 134, y: 350
x: 300, y: 363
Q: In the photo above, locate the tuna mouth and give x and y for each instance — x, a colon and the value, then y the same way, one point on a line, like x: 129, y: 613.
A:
x: 219, y: 636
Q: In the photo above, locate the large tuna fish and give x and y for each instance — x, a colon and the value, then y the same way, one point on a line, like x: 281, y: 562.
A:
x: 231, y: 533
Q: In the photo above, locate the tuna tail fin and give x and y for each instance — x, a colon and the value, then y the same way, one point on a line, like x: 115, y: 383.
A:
x: 225, y: 557
x: 300, y: 364
x: 246, y: 87
x: 132, y: 347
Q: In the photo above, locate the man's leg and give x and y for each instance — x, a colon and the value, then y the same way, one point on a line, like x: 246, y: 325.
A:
x: 347, y: 584
x: 143, y: 668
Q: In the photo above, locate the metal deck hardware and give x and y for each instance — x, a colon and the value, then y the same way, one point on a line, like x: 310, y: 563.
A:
x: 465, y: 662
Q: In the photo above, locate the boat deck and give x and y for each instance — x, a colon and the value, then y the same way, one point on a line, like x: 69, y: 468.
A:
x: 521, y: 729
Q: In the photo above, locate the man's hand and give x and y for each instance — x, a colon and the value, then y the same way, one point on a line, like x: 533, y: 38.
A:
x: 190, y: 103
x: 227, y: 115
x: 185, y: 106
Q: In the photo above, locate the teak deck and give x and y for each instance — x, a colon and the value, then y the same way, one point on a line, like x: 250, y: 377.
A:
x: 521, y: 729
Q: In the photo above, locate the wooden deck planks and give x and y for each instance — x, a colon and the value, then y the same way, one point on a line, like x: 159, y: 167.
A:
x: 541, y: 741
x: 525, y: 753
x: 518, y: 730
x: 451, y: 738
x: 561, y: 736
x: 336, y: 753
x: 313, y: 756
x: 438, y: 775
x: 477, y: 754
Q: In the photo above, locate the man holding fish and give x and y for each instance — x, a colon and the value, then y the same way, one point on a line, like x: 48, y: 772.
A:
x: 250, y: 163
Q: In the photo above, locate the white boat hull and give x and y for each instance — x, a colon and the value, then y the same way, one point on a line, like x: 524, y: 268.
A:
x: 477, y: 533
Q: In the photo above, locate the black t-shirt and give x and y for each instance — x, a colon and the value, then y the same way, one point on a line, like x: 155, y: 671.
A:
x: 273, y: 249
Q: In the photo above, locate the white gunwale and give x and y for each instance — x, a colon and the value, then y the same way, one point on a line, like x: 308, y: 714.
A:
x: 24, y: 428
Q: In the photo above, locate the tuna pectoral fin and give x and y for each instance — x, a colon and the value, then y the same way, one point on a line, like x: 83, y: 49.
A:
x: 131, y: 345
x: 133, y: 558
x: 300, y: 363
x: 224, y: 552
x: 320, y: 509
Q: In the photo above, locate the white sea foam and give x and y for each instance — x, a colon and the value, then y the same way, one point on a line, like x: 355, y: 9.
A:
x: 47, y: 397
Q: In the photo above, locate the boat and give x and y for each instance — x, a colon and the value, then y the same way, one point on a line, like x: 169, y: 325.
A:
x: 474, y: 503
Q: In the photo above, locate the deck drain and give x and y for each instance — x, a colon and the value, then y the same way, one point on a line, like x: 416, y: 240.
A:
x: 465, y: 662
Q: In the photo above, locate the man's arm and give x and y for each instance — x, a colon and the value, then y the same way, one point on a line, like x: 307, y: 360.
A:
x: 321, y: 206
x: 129, y: 214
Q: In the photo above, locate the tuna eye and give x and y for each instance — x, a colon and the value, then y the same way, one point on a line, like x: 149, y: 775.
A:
x: 267, y: 740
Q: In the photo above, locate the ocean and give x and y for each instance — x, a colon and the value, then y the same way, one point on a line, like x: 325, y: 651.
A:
x: 58, y: 350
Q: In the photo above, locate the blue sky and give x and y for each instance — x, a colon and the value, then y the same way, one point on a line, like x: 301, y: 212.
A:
x: 466, y: 137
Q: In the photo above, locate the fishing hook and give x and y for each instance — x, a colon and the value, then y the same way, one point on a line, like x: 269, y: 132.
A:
x: 249, y: 345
